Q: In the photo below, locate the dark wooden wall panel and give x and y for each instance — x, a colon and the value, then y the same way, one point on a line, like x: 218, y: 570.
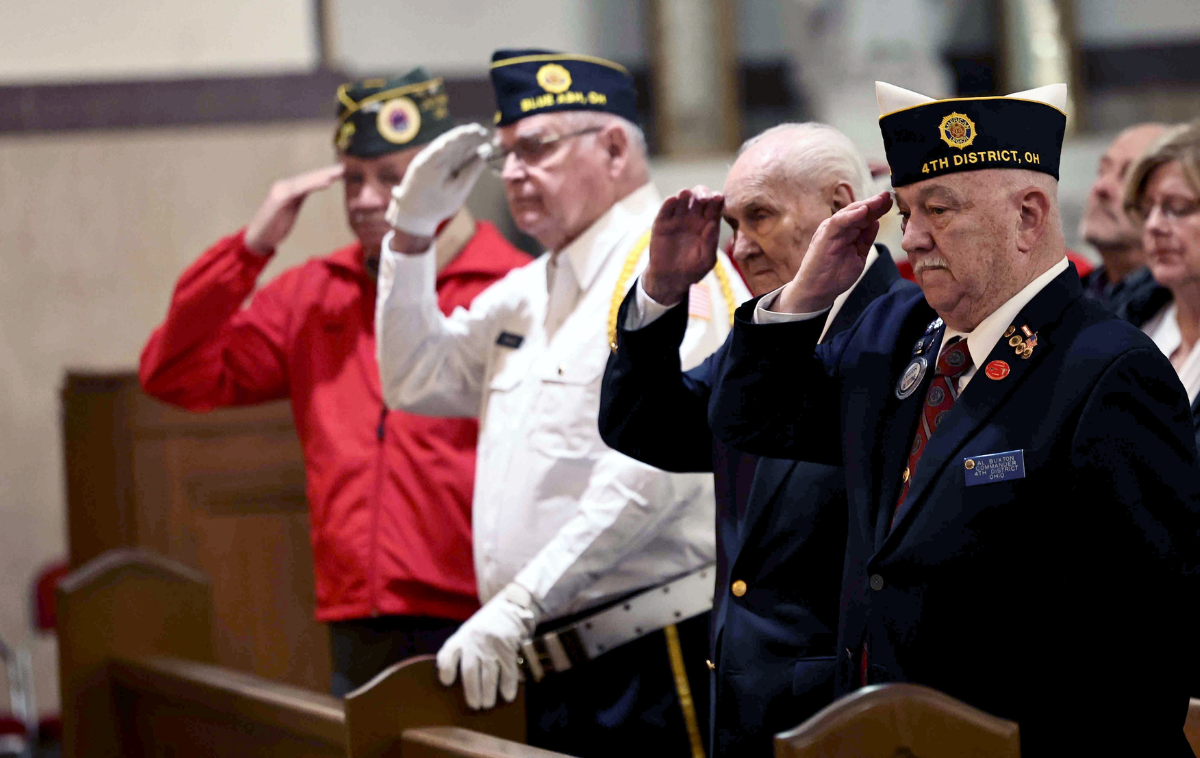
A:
x: 222, y: 492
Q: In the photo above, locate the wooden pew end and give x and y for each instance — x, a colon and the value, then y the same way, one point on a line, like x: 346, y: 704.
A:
x: 409, y: 695
x: 901, y: 719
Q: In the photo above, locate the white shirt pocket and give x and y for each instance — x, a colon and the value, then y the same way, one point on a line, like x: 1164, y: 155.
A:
x: 567, y: 408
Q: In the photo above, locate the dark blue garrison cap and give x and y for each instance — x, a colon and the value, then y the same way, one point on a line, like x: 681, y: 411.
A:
x: 531, y: 82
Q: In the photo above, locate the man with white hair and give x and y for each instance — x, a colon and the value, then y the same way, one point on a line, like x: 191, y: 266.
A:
x: 605, y: 553
x: 1020, y: 464
x: 781, y: 525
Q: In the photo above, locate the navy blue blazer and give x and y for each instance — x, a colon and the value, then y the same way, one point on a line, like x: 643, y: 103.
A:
x: 781, y: 527
x: 1058, y: 600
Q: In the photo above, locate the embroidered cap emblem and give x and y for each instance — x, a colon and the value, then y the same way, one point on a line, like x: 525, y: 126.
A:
x: 957, y: 130
x: 554, y: 78
x: 399, y: 120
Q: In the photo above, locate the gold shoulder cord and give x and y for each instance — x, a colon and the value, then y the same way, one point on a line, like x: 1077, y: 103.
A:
x: 684, y: 691
x: 627, y: 271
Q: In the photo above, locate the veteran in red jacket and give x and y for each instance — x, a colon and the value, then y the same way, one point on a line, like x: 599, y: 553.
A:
x: 389, y: 492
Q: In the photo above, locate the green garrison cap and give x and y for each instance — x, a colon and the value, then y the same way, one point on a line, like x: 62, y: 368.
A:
x: 380, y: 116
x: 925, y: 138
x: 532, y: 82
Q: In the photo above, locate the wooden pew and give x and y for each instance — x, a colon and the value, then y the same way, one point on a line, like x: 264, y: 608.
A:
x: 900, y: 720
x: 1191, y: 727
x: 139, y: 679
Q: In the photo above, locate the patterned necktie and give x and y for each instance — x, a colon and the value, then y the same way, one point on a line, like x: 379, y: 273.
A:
x: 943, y: 391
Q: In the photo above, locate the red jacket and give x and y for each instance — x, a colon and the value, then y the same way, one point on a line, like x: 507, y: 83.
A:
x: 389, y: 492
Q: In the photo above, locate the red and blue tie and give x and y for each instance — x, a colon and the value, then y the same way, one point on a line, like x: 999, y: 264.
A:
x: 943, y: 391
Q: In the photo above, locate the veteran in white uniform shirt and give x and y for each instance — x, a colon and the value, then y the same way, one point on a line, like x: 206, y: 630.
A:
x: 563, y: 524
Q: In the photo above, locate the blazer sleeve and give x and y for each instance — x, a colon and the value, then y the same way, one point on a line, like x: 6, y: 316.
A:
x: 650, y: 409
x: 777, y: 393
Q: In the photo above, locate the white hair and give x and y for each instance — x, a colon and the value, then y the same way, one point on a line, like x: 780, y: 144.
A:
x: 585, y: 119
x: 816, y: 155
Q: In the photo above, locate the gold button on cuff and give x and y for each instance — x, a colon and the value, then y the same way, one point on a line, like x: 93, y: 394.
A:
x: 738, y: 589
x: 711, y: 666
x: 969, y: 464
x: 904, y: 477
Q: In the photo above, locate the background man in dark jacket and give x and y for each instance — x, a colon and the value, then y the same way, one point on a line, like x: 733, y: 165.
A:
x: 1122, y: 283
x: 781, y: 525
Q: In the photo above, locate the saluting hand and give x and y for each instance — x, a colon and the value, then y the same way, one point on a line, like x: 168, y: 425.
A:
x: 836, y: 256
x: 437, y: 182
x: 683, y: 243
x: 274, y: 220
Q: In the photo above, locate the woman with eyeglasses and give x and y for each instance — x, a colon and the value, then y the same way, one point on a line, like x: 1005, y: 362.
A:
x: 1162, y: 193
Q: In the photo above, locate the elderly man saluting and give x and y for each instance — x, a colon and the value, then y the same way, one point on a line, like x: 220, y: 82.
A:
x: 781, y: 525
x: 565, y: 527
x: 1020, y: 466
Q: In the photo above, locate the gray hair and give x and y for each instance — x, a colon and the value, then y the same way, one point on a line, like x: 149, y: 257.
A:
x: 818, y: 153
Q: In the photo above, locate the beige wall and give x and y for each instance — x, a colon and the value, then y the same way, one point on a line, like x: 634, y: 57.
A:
x: 94, y: 230
x: 86, y: 40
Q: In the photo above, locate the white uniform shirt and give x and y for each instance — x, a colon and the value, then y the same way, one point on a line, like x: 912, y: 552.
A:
x: 555, y: 509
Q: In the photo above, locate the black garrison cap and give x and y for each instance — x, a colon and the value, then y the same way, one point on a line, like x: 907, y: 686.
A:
x: 925, y: 138
x: 380, y: 116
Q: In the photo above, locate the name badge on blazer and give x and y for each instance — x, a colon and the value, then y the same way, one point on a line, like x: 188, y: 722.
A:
x: 997, y: 467
x: 508, y: 339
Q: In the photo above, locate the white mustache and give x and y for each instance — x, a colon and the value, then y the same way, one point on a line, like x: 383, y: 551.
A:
x: 932, y: 261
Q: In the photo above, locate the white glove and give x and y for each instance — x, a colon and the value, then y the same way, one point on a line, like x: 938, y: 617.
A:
x: 437, y: 182
x: 487, y: 644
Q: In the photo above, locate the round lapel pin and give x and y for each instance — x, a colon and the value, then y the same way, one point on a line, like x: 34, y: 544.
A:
x: 911, y: 378
x: 996, y: 370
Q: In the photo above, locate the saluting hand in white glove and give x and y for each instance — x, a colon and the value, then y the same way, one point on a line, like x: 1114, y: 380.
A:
x: 486, y: 646
x: 437, y: 182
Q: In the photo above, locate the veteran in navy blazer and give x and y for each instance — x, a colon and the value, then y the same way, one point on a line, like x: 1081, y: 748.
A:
x: 1021, y: 468
x: 781, y: 525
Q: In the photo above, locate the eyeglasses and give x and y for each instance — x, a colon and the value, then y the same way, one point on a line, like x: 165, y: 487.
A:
x: 1172, y: 207
x: 533, y: 150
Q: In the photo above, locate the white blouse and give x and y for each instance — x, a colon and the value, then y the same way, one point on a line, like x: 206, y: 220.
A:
x: 1164, y: 330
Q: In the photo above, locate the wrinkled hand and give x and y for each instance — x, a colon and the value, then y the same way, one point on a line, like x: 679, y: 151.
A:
x: 836, y: 256
x: 277, y: 215
x: 437, y: 182
x: 683, y: 243
x: 485, y: 647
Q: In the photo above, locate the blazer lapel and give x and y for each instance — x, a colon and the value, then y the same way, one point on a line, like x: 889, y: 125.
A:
x: 768, y: 478
x: 984, y: 396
